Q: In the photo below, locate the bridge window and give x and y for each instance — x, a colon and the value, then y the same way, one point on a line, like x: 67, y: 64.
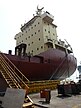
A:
x: 38, y: 30
x: 37, y: 48
x: 41, y: 47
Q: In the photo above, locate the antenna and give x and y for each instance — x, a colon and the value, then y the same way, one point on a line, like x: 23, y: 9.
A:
x: 39, y: 11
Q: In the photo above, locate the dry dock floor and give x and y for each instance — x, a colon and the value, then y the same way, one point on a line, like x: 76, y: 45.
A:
x: 73, y: 101
x: 56, y: 102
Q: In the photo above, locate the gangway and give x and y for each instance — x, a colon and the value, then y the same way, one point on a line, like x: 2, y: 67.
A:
x: 10, y: 73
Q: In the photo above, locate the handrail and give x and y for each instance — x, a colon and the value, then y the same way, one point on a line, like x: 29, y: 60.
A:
x: 9, y: 67
x: 14, y: 66
x: 14, y: 81
x: 9, y: 74
x: 12, y: 78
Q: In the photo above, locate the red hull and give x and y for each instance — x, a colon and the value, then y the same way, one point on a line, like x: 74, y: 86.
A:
x: 52, y: 64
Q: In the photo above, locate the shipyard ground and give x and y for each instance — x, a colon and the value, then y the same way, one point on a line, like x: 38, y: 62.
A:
x: 56, y: 101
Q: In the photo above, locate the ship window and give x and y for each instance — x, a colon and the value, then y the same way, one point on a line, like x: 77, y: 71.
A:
x: 32, y: 42
x: 20, y: 35
x: 38, y: 30
x: 39, y: 39
x: 35, y: 25
x: 37, y: 48
x: 32, y: 35
x: 28, y: 44
x: 31, y: 27
x: 32, y: 50
x: 22, y: 40
x: 41, y: 47
x: 48, y: 31
x: 26, y: 31
x: 35, y: 32
x: 48, y: 24
x: 53, y: 34
x: 26, y: 38
x: 38, y: 23
x: 45, y: 29
x: 28, y: 53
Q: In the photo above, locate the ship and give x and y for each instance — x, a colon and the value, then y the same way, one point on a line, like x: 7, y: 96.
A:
x: 39, y: 54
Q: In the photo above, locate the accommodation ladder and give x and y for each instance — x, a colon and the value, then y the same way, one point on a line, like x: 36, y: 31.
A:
x: 9, y: 72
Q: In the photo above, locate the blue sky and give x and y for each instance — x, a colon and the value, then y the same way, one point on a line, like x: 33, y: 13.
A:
x: 67, y: 15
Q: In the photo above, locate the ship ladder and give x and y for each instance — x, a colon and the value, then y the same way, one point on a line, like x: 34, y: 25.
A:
x: 9, y: 72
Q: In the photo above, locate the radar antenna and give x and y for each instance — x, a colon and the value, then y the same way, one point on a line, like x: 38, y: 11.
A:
x: 39, y: 11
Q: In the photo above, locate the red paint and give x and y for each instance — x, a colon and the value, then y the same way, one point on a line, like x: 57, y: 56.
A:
x: 44, y: 65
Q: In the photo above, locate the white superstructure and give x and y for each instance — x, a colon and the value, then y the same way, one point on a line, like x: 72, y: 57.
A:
x: 37, y: 35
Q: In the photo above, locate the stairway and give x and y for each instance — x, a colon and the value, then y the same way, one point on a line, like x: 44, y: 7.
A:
x: 10, y: 73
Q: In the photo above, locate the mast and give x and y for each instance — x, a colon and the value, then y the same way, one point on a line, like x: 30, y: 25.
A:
x: 39, y: 11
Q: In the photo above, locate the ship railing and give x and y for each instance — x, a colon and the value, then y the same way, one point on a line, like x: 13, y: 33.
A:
x: 8, y: 73
x: 13, y: 80
x: 14, y: 70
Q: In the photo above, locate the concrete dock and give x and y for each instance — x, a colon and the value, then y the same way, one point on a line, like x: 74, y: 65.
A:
x: 56, y: 101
